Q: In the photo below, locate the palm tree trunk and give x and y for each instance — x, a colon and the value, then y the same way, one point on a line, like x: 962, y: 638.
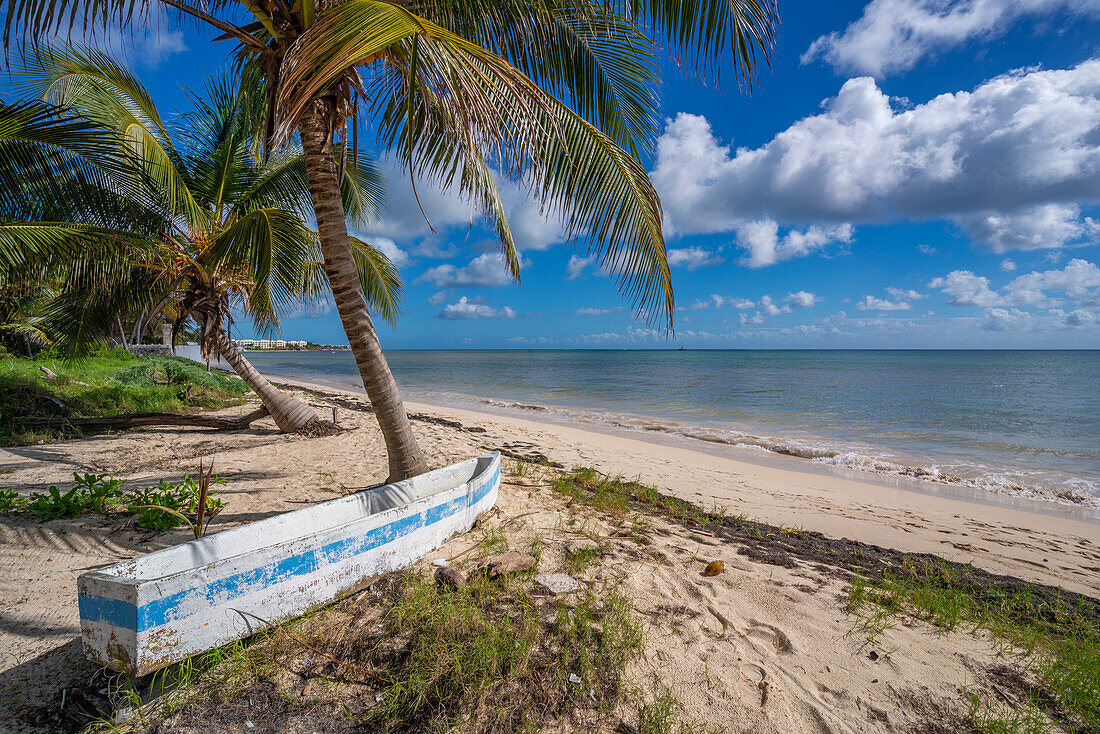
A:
x: 405, y: 457
x: 291, y: 414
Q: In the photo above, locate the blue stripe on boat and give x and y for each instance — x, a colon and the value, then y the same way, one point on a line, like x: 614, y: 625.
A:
x: 114, y: 612
x: 164, y: 610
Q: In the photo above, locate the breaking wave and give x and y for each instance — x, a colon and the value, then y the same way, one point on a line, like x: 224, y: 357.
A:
x: 1037, y: 486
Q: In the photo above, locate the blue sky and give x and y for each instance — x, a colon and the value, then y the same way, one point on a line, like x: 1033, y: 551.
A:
x: 909, y: 173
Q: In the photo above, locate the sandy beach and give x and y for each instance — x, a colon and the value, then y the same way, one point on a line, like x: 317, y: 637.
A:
x: 758, y: 630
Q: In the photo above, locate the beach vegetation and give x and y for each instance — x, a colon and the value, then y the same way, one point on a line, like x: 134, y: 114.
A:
x: 578, y: 559
x: 203, y: 223
x: 104, y: 384
x: 161, y: 508
x: 411, y: 655
x: 11, y: 501
x: 172, y: 504
x: 561, y: 99
x: 1060, y: 640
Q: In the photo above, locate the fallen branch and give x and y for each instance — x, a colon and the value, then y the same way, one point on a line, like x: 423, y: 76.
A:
x: 137, y: 420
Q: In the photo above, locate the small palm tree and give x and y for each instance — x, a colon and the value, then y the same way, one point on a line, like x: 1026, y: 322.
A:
x: 557, y: 94
x: 207, y: 224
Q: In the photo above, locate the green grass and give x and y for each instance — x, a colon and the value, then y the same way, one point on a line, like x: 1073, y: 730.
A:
x: 578, y: 559
x: 1062, y: 640
x: 107, y: 384
x: 486, y: 657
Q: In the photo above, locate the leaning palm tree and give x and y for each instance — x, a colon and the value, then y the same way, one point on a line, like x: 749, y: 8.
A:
x: 211, y: 225
x: 556, y: 94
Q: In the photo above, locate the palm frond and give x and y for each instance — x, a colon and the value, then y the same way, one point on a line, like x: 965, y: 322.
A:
x: 381, y: 281
x: 704, y: 30
x: 108, y: 94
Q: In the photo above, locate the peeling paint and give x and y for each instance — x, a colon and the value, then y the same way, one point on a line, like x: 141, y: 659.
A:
x: 160, y: 608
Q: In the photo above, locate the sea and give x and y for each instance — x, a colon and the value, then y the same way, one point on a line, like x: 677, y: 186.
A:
x: 1015, y: 424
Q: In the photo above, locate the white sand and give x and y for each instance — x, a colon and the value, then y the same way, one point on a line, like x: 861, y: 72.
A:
x: 788, y: 623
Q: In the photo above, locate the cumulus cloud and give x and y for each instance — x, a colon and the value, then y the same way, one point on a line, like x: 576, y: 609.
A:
x: 591, y: 311
x: 1010, y: 162
x: 445, y: 208
x: 964, y: 288
x: 389, y: 248
x: 488, y: 270
x: 802, y: 299
x: 693, y: 257
x: 148, y: 41
x: 465, y: 309
x: 900, y: 300
x: 1008, y: 265
x: 577, y: 265
x: 894, y: 35
x: 1079, y: 281
x: 717, y: 301
x: 763, y: 245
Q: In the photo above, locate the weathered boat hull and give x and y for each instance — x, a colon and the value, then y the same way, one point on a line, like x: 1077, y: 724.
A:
x: 163, y: 607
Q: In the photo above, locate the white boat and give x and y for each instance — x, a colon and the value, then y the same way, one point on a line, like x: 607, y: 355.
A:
x: 163, y: 607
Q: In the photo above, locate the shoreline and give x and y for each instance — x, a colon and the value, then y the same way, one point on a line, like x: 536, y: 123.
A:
x: 1016, y: 541
x: 885, y: 472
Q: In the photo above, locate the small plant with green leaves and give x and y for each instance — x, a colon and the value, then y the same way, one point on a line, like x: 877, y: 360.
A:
x: 101, y: 493
x: 11, y: 501
x: 54, y: 504
x: 172, y: 504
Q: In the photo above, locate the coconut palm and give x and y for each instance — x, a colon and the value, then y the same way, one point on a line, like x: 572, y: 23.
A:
x: 551, y: 93
x: 210, y: 224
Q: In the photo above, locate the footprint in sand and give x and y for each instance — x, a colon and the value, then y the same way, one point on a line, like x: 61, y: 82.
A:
x: 752, y: 684
x: 771, y: 634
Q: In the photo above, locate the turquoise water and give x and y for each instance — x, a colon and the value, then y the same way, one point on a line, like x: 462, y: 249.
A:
x: 1021, y: 422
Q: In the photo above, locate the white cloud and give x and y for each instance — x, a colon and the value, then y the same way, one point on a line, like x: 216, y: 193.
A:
x: 764, y: 246
x: 1033, y: 228
x: 389, y: 248
x: 1008, y: 265
x: 802, y: 299
x: 590, y: 311
x: 717, y: 301
x: 488, y: 270
x: 900, y: 300
x: 894, y: 35
x: 693, y: 257
x: 465, y: 309
x: 926, y: 249
x: 1079, y: 280
x: 1011, y: 162
x: 148, y: 41
x: 871, y: 303
x: 755, y: 320
x: 438, y: 297
x: 577, y: 265
x: 445, y: 208
x: 963, y: 288
x: 771, y: 308
x: 904, y: 294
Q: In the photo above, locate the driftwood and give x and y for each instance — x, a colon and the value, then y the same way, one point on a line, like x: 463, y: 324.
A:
x: 136, y: 420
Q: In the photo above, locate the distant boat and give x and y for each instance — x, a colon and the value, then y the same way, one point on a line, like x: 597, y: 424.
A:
x: 680, y: 349
x: 146, y: 613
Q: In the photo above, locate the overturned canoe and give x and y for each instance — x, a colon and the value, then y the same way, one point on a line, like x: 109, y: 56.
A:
x: 158, y: 609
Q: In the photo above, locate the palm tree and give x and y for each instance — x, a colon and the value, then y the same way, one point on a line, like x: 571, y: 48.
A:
x: 552, y: 93
x: 209, y: 223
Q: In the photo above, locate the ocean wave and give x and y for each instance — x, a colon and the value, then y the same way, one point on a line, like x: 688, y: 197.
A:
x: 1016, y: 483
